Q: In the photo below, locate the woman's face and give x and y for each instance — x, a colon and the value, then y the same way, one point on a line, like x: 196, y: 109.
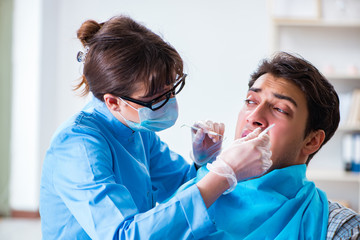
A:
x: 129, y: 112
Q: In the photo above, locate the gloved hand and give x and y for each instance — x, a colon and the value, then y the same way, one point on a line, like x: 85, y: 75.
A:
x: 248, y: 157
x: 206, y: 146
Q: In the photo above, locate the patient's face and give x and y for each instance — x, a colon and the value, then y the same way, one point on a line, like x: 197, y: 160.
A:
x: 276, y: 100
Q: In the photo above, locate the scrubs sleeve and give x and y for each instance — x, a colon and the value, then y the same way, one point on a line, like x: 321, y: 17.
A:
x: 84, y: 180
x: 168, y: 170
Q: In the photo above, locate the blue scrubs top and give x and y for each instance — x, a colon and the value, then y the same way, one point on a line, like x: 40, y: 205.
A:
x: 101, y: 180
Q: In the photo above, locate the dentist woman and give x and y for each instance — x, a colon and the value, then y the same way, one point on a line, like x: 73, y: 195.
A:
x: 107, y: 175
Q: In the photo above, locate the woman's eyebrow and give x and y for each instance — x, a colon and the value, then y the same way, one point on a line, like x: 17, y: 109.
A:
x: 277, y: 95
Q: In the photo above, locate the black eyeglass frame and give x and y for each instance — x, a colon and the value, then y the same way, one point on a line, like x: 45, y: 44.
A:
x: 167, y: 94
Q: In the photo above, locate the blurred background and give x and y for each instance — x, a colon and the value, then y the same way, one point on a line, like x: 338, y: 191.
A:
x: 221, y: 43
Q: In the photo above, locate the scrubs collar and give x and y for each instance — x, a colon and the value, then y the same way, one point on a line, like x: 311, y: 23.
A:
x: 118, y: 127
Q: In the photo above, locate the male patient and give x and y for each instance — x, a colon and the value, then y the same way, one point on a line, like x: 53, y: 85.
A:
x: 291, y: 93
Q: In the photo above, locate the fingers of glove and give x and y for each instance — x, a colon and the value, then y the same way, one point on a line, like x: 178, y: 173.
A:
x: 258, y: 168
x: 267, y: 130
x: 263, y: 141
x: 247, y: 159
x: 201, y: 124
x: 220, y: 129
x: 265, y: 154
x: 265, y: 157
x: 239, y: 155
x: 198, y: 137
x: 254, y: 170
x: 252, y: 135
x: 263, y: 145
x: 209, y: 127
x: 209, y: 123
x: 267, y: 164
x: 217, y: 128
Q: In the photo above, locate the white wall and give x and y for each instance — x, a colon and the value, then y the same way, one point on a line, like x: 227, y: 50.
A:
x: 221, y: 43
x: 25, y: 105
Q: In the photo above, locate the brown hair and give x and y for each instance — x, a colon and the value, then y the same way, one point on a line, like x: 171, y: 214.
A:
x: 322, y: 99
x: 124, y: 55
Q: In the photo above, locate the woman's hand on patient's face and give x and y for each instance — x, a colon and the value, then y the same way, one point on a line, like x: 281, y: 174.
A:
x: 207, y: 146
x: 250, y: 156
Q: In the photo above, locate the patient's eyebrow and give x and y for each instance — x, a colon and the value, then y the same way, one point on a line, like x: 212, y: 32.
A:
x: 280, y: 96
x: 252, y: 89
x: 277, y: 95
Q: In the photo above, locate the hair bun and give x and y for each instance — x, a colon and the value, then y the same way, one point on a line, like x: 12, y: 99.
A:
x: 87, y: 31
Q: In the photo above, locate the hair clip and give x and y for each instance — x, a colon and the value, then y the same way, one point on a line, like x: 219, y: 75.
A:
x: 82, y: 55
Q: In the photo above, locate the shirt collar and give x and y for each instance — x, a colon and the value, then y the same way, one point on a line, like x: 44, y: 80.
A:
x: 98, y: 107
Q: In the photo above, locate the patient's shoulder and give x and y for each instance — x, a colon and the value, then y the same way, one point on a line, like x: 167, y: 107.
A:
x: 343, y: 222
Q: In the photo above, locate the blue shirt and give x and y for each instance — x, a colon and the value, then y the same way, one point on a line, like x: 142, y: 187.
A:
x: 101, y: 180
x: 281, y: 205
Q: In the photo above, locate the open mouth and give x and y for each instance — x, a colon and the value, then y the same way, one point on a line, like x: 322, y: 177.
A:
x: 263, y: 131
x: 245, y: 133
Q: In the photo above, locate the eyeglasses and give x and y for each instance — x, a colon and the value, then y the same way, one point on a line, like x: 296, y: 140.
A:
x: 178, y: 86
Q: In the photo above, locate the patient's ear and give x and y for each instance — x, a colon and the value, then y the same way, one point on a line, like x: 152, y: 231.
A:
x: 313, y: 142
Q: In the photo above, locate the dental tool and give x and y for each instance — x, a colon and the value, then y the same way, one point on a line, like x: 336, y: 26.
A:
x: 206, y: 131
x: 266, y: 130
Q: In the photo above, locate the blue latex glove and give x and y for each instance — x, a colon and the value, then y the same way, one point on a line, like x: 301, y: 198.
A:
x: 206, y: 145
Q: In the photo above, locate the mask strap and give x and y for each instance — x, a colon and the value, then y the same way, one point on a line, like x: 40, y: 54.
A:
x: 126, y: 121
x: 122, y: 116
x: 128, y: 104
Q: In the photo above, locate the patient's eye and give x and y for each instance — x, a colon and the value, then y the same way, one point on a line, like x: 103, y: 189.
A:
x: 280, y: 110
x: 248, y: 101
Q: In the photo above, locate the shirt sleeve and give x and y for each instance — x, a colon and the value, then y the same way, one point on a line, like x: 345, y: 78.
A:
x: 84, y: 179
x: 168, y: 170
x: 343, y: 223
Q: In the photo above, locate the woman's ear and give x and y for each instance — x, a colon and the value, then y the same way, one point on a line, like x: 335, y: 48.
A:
x: 112, y: 102
x: 313, y: 142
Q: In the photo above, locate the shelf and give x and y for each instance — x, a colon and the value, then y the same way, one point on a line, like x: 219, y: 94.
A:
x: 290, y: 22
x: 333, y: 175
x: 345, y: 77
x: 351, y: 128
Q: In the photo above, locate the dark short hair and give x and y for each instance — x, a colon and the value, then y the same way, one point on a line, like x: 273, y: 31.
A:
x: 322, y: 99
x: 123, y: 56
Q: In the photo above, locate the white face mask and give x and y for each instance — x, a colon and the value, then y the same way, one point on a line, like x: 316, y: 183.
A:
x: 157, y: 120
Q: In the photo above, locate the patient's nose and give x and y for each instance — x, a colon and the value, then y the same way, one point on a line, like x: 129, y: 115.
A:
x: 257, y: 118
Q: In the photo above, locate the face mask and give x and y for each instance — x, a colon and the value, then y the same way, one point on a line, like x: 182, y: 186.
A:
x: 157, y: 120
